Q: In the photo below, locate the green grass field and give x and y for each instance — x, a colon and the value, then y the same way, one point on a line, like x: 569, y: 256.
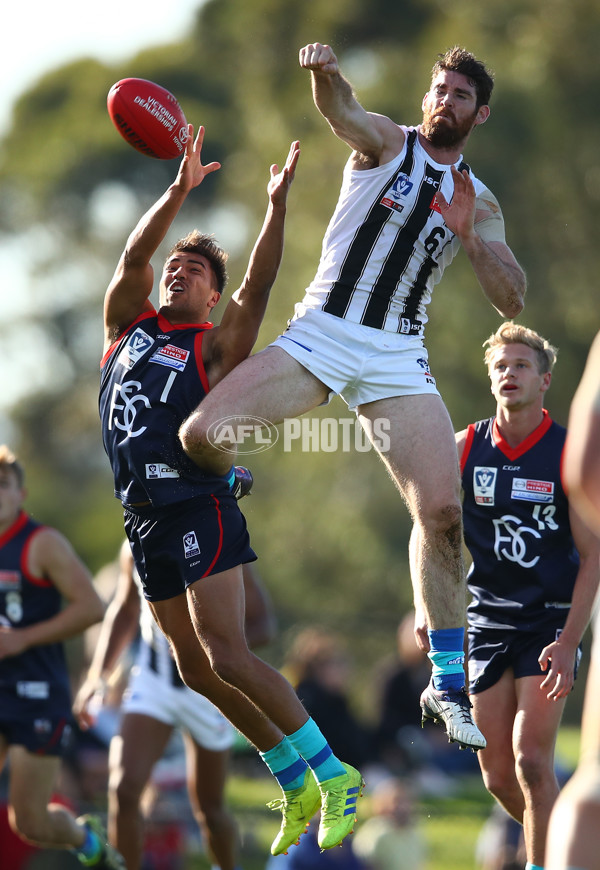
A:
x: 451, y: 824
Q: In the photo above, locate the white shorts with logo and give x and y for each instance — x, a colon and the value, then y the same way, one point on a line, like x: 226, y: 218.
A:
x: 357, y: 362
x: 152, y: 695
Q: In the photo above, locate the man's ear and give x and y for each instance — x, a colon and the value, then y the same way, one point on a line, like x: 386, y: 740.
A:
x: 483, y: 113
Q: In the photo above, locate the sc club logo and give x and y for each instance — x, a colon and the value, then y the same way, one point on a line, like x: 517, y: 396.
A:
x: 511, y: 541
x: 123, y: 413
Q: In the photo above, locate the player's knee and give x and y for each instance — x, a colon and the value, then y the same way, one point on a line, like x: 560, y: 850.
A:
x: 126, y: 789
x: 532, y: 769
x: 193, y: 434
x: 443, y: 520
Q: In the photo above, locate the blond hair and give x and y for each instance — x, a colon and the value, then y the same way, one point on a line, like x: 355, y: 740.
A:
x: 514, y: 333
x: 9, y: 461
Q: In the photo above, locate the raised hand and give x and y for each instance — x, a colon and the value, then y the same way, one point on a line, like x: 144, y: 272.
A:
x: 191, y: 170
x: 318, y: 58
x: 280, y: 182
x: 459, y: 215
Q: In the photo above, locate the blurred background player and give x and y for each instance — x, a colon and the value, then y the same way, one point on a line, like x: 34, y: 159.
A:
x: 533, y: 578
x: 46, y: 596
x: 574, y: 832
x: 156, y: 702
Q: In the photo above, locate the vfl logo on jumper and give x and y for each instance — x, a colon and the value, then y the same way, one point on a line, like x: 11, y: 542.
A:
x: 525, y: 489
x: 137, y: 345
x: 190, y: 545
x: 172, y: 356
x: 158, y: 470
x: 401, y: 187
x: 511, y: 543
x: 130, y: 397
x: 484, y: 485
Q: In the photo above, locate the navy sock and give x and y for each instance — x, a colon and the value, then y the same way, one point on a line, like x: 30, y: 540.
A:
x: 447, y: 657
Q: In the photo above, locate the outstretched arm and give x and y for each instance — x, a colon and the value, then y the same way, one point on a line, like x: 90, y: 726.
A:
x: 232, y: 341
x: 500, y: 276
x: 131, y: 285
x: 375, y: 136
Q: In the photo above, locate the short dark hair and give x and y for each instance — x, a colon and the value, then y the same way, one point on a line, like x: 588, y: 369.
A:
x: 9, y: 461
x: 460, y: 60
x: 204, y: 244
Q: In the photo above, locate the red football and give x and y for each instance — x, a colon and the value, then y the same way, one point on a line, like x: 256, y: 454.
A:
x: 148, y: 117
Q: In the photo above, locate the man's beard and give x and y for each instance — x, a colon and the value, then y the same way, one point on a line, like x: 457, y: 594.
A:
x: 446, y: 135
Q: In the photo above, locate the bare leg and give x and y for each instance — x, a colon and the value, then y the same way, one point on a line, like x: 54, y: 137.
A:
x: 270, y: 385
x: 520, y: 725
x: 214, y: 659
x: 31, y: 813
x: 574, y: 830
x: 133, y: 753
x: 422, y: 461
x: 206, y: 777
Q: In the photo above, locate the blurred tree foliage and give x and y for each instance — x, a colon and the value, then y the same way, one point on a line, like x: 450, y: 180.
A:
x: 330, y: 529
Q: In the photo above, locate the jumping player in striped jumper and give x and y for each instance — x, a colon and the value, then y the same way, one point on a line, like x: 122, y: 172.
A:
x: 408, y: 202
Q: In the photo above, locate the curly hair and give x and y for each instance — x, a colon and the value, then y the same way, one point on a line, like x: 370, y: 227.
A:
x: 460, y: 60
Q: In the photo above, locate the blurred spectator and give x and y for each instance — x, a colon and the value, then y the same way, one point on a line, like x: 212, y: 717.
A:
x: 390, y: 839
x: 319, y: 668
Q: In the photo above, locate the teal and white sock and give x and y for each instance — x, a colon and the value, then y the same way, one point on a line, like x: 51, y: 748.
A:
x: 530, y: 866
x: 316, y: 751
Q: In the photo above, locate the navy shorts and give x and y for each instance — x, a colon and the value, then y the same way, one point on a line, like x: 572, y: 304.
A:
x: 181, y: 543
x: 494, y: 650
x: 43, y: 725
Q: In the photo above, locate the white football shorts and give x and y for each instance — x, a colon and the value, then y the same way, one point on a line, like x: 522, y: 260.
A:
x: 152, y: 695
x: 357, y: 362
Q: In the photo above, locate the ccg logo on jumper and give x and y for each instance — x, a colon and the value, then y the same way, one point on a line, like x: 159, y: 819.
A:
x: 484, y: 485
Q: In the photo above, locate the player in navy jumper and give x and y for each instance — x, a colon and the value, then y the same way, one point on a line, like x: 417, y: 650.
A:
x: 187, y: 534
x: 533, y: 578
x: 46, y: 596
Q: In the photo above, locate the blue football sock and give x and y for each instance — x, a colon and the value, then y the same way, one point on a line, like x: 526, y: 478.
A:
x: 447, y: 657
x: 91, y: 846
x: 285, y: 764
x: 529, y: 866
x: 316, y: 751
